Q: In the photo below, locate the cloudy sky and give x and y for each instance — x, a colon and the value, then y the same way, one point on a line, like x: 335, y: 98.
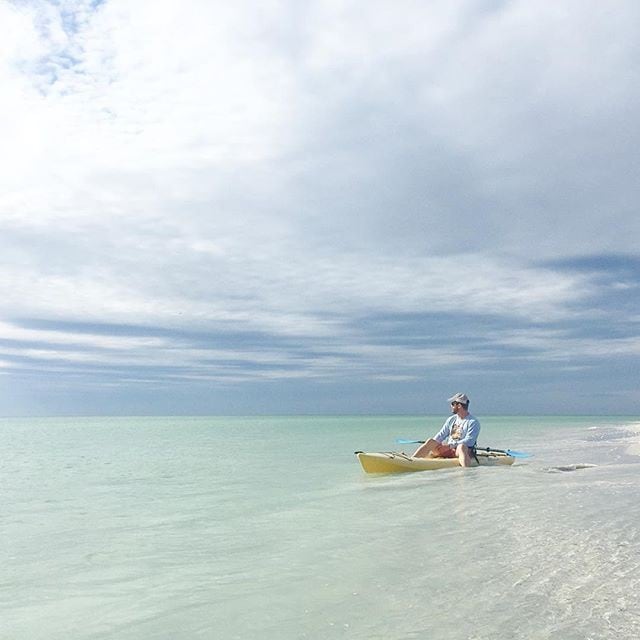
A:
x: 332, y: 206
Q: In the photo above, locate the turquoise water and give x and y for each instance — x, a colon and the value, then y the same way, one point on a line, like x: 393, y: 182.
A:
x: 170, y: 528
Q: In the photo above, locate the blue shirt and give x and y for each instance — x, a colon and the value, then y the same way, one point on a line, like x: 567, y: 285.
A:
x: 457, y: 430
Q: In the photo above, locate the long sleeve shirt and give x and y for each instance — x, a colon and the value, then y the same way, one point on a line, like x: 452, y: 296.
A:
x: 457, y: 430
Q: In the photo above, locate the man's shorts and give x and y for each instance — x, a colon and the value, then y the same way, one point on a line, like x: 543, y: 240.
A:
x: 444, y: 451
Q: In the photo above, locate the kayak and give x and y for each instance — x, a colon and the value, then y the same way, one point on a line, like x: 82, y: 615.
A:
x: 394, y: 462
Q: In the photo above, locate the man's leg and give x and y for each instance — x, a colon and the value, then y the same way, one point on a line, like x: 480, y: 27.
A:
x: 425, y: 449
x: 464, y: 455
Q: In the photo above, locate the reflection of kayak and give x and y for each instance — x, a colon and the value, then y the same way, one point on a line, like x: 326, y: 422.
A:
x: 393, y: 462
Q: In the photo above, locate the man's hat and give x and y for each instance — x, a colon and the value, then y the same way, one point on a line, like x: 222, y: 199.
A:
x: 459, y: 397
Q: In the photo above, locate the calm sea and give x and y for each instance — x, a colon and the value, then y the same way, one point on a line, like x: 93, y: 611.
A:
x: 267, y: 528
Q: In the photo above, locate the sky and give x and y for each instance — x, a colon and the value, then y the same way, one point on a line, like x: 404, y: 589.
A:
x: 322, y: 207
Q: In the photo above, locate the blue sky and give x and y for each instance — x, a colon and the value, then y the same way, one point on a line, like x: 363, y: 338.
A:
x: 322, y: 207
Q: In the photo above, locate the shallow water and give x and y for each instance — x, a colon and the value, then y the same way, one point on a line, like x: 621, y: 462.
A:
x: 268, y: 528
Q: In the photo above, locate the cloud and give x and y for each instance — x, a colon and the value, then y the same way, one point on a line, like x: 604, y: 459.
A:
x: 336, y: 123
x: 315, y: 175
x: 520, y: 125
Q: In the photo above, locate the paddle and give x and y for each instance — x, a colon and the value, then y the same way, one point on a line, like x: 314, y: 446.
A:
x: 509, y: 452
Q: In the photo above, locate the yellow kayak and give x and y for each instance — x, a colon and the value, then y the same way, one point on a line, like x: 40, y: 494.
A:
x: 393, y: 462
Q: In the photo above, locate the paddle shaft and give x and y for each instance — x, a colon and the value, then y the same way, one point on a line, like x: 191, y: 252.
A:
x: 508, y: 452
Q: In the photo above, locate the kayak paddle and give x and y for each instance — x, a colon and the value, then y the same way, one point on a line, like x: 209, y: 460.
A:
x: 509, y: 452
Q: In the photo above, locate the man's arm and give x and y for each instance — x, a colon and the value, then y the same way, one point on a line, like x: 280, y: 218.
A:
x: 444, y: 432
x: 473, y: 431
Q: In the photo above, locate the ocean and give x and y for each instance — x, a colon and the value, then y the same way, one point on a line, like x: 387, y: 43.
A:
x: 267, y: 528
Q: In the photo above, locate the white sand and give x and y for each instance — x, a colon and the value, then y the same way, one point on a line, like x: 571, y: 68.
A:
x: 634, y: 448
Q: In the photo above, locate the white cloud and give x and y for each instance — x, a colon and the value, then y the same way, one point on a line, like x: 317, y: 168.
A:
x: 152, y: 93
x: 165, y: 285
x: 167, y: 106
x: 289, y: 169
x: 553, y: 346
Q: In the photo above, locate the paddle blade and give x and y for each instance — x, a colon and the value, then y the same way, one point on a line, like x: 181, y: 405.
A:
x: 518, y: 454
x: 403, y: 441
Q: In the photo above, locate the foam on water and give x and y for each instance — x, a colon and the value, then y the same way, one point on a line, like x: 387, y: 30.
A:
x: 268, y: 528
x: 569, y: 467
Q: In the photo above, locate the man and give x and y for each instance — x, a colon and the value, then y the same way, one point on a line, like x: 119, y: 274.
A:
x: 458, y: 435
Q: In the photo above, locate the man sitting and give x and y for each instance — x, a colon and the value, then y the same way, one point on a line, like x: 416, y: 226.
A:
x: 458, y: 435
